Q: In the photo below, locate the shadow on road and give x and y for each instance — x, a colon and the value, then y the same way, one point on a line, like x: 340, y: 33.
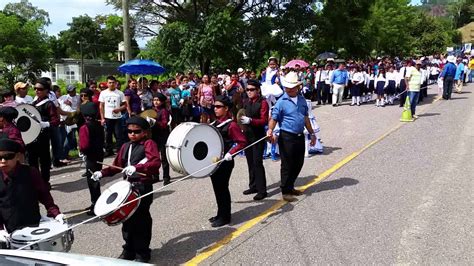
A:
x: 184, y: 247
x: 251, y: 212
x: 458, y: 98
x: 331, y: 185
x: 67, y: 169
x: 328, y: 150
x: 429, y: 114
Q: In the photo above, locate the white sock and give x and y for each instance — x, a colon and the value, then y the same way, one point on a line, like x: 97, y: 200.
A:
x: 358, y: 99
x: 377, y: 102
x: 353, y: 99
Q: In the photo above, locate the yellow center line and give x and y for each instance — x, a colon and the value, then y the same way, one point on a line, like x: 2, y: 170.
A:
x: 254, y: 221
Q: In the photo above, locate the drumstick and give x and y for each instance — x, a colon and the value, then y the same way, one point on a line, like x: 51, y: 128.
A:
x: 120, y: 168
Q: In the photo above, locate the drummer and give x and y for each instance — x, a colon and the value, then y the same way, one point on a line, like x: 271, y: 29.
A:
x: 143, y: 157
x: 8, y: 129
x: 18, y: 210
x: 231, y: 134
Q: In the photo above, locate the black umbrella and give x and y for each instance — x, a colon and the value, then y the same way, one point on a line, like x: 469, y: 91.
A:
x: 326, y: 55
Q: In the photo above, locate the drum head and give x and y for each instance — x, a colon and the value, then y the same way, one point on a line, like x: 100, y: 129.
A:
x: 45, y: 231
x: 198, y: 148
x: 112, y: 197
x: 26, y: 123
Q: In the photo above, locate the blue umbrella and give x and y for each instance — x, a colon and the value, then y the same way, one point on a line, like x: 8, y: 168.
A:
x: 141, y: 67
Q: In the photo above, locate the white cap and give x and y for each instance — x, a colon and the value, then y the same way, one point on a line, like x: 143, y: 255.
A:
x: 240, y: 70
x: 451, y: 59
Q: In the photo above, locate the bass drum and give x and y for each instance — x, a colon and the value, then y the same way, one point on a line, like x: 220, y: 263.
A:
x: 28, y: 122
x: 193, y: 146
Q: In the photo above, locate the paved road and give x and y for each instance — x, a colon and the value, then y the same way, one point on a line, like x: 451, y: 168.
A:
x: 406, y: 198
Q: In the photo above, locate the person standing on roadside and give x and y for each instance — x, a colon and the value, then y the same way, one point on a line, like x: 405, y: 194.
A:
x: 291, y: 113
x: 447, y: 76
x: 413, y: 80
x: 339, y: 80
x: 112, y: 104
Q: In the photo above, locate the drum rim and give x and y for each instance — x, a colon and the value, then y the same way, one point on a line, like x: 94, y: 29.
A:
x: 56, y: 236
x: 125, y: 198
x: 129, y: 215
x: 180, y: 160
x: 31, y: 108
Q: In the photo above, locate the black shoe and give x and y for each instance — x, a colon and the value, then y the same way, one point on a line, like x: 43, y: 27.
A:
x: 84, y: 174
x: 212, y: 219
x: 260, y: 196
x: 166, y: 182
x: 295, y: 192
x: 90, y: 211
x: 220, y: 222
x: 250, y: 191
x: 127, y: 255
x: 142, y: 258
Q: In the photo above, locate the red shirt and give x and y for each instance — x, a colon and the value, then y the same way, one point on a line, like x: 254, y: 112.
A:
x: 263, y: 119
x: 44, y: 196
x: 151, y: 167
x: 235, y: 134
x: 162, y: 122
x: 13, y: 133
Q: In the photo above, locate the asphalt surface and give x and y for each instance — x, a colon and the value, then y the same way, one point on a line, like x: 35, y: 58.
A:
x: 405, y: 199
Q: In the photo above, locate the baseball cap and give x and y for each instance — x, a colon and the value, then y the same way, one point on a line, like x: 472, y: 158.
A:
x: 20, y: 85
x: 70, y: 88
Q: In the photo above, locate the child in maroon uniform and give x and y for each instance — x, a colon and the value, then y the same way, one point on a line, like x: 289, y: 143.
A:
x: 139, y: 155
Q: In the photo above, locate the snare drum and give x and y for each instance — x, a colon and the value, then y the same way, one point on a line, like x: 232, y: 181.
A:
x: 55, y: 237
x: 107, y: 205
x: 193, y: 146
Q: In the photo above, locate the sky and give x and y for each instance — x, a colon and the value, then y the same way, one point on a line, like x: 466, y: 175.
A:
x: 61, y: 12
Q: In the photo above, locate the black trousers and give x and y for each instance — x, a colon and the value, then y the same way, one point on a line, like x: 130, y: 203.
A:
x: 319, y: 91
x: 164, y: 161
x: 448, y: 83
x: 220, y: 184
x: 94, y: 186
x: 136, y: 231
x: 326, y: 94
x: 113, y: 127
x: 254, y: 157
x: 292, y: 151
x: 38, y: 154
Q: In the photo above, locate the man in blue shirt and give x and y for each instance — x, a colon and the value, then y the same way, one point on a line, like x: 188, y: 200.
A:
x: 291, y: 113
x: 459, y: 76
x: 339, y: 80
x: 447, y: 76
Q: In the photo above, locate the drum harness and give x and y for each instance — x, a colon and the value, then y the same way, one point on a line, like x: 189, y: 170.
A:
x: 147, y: 194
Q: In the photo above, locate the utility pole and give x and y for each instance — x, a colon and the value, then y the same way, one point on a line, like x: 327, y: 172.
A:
x: 83, y: 78
x: 126, y: 32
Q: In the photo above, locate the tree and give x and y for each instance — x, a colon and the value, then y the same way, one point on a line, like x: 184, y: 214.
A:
x: 98, y: 36
x: 24, y: 50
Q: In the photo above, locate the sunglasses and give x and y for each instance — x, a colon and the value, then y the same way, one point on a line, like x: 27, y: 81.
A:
x: 39, y: 89
x: 251, y: 89
x: 136, y: 132
x: 84, y: 95
x: 219, y: 106
x: 7, y: 156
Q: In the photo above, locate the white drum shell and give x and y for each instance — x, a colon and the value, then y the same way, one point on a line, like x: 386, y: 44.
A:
x: 26, y: 111
x: 188, y: 139
x: 58, y: 238
x: 122, y: 188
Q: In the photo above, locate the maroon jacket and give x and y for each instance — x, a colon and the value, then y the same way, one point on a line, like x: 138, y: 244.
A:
x: 44, y: 196
x: 151, y: 167
x: 12, y: 132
